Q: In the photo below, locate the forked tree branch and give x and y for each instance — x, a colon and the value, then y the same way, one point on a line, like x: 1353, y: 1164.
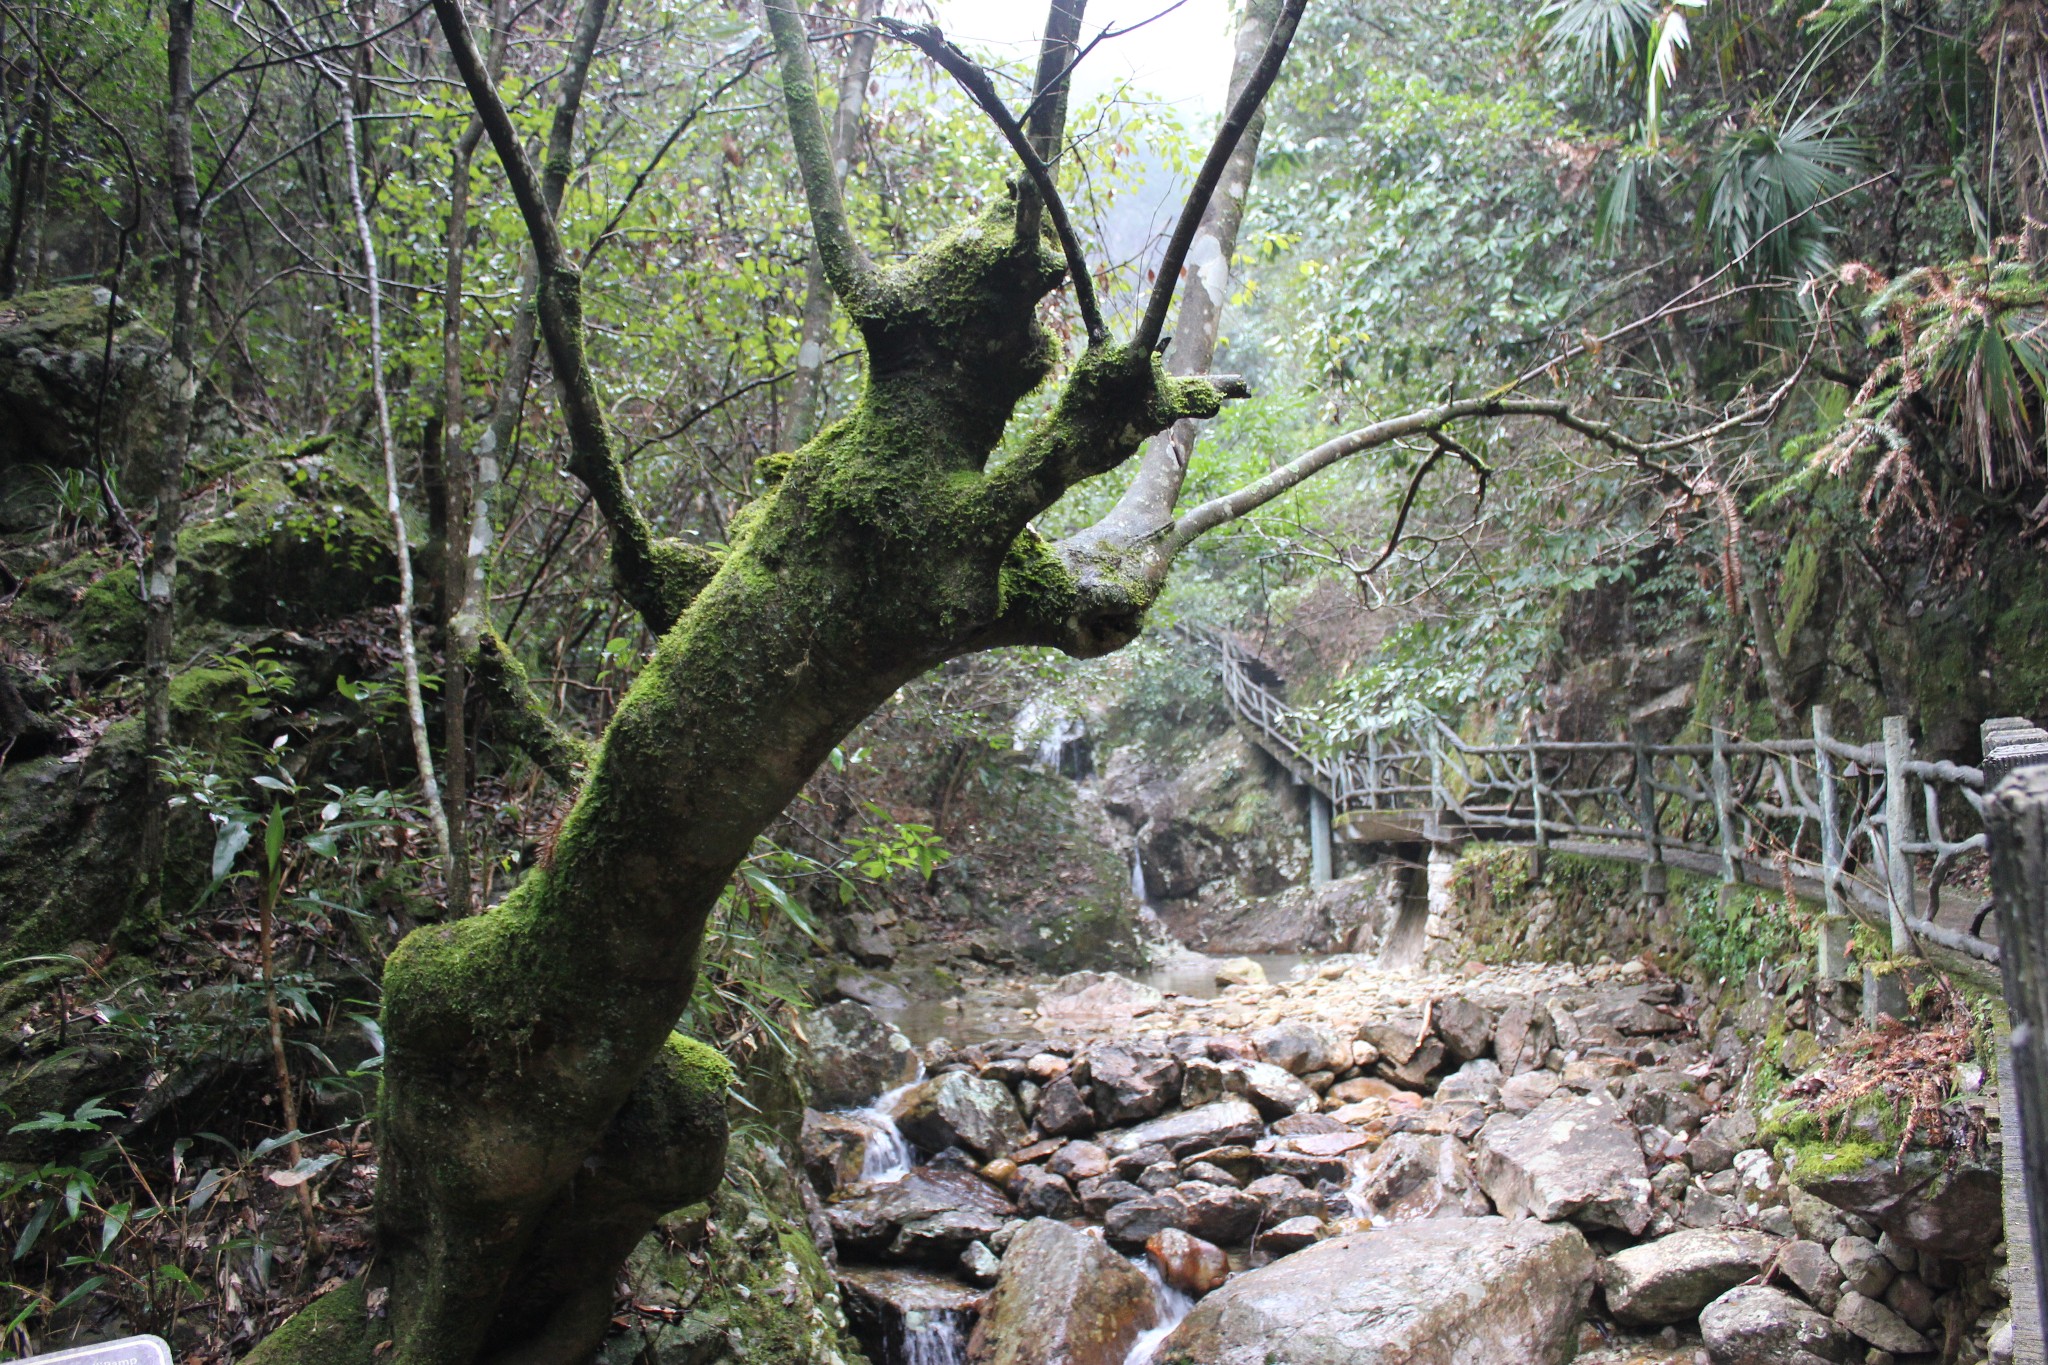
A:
x: 971, y: 78
x: 1242, y: 110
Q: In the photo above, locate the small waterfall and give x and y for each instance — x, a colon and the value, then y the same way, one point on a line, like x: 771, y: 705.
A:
x: 934, y: 1337
x: 1138, y: 891
x: 1169, y: 1306
x: 889, y: 1156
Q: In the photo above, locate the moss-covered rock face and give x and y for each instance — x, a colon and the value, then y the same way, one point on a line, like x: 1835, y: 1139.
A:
x: 61, y: 401
x: 763, y: 1292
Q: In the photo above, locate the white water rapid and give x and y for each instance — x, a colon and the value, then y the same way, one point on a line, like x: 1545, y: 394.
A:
x: 1169, y: 1306
x: 888, y: 1155
x: 934, y: 1338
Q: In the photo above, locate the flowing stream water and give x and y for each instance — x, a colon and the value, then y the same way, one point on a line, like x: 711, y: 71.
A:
x: 1169, y: 1306
x: 888, y: 1156
x: 935, y: 1338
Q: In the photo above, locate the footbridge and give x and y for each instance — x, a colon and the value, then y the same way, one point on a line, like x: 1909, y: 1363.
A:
x: 1868, y: 830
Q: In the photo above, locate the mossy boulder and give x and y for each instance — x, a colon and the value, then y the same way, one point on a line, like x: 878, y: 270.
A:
x: 67, y: 394
x: 287, y: 541
x: 68, y: 827
x: 764, y: 1291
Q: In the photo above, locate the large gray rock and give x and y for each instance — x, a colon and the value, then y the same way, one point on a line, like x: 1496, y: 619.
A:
x: 855, y: 1055
x: 1447, y: 1292
x: 1063, y: 1298
x: 1418, y: 1175
x: 1097, y: 995
x: 1754, y: 1325
x: 1222, y: 1124
x: 1924, y: 1201
x: 1300, y: 1048
x: 1673, y: 1278
x: 872, y: 1217
x: 1132, y: 1085
x: 960, y: 1109
x: 1573, y: 1156
x: 1276, y: 1091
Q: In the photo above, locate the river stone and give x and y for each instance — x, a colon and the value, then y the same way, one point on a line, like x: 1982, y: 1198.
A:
x: 1239, y: 971
x: 1445, y: 1292
x: 1097, y: 995
x: 1063, y: 1110
x: 1080, y: 1161
x: 941, y: 1238
x: 1220, y: 1124
x: 1099, y: 1194
x: 1284, y: 1239
x: 1298, y: 1048
x: 855, y: 1055
x: 1276, y: 1091
x: 1136, y: 1221
x: 961, y: 1109
x: 1063, y: 1298
x: 1186, y: 1262
x: 1130, y: 1086
x: 1955, y: 1213
x: 1864, y: 1268
x: 1721, y: 1137
x: 1755, y: 1325
x: 1283, y: 1197
x: 1809, y: 1267
x: 1878, y: 1325
x: 867, y: 1217
x: 1041, y: 1194
x: 1571, y: 1157
x: 835, y: 1147
x: 1520, y: 1094
x: 1521, y: 1036
x: 1418, y: 1175
x: 1218, y: 1213
x: 1466, y: 1028
x: 1673, y: 1278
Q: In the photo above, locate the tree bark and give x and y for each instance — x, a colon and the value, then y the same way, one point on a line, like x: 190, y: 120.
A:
x: 408, y: 650
x: 159, y: 574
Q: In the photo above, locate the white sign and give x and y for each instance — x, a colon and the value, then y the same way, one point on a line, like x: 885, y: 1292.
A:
x: 126, y: 1351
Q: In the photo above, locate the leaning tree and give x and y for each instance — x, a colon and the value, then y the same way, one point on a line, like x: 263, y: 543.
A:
x: 538, y: 1111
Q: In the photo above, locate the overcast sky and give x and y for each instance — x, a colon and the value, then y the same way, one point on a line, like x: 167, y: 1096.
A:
x: 1183, y: 57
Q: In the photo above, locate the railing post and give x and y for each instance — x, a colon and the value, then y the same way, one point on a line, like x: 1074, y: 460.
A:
x: 1656, y: 881
x: 1724, y: 800
x: 1898, y: 831
x: 2016, y: 822
x: 1536, y: 807
x: 1835, y: 925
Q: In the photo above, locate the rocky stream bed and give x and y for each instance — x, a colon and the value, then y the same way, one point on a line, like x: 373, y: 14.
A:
x: 1506, y: 1164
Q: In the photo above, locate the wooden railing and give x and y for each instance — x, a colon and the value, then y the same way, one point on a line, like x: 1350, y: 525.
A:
x: 1868, y: 828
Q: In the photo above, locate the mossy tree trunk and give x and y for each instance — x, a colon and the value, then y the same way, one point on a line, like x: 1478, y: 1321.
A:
x: 538, y: 1114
